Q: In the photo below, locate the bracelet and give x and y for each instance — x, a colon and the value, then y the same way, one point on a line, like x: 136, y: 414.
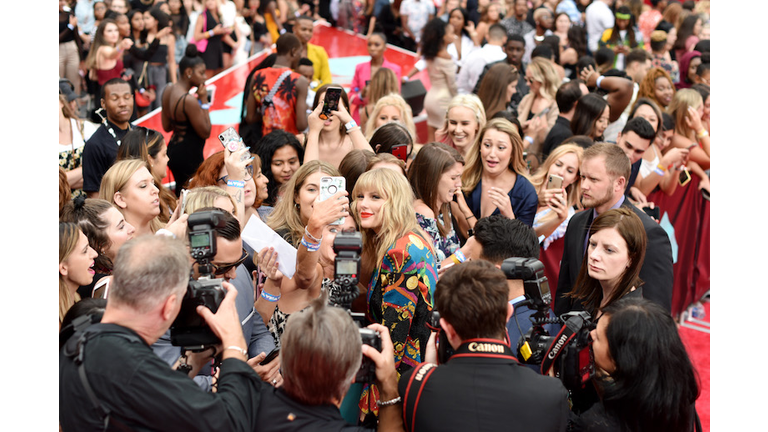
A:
x: 282, y: 31
x: 311, y: 237
x: 350, y: 125
x: 71, y: 27
x: 354, y: 129
x: 659, y: 171
x: 599, y: 80
x: 269, y: 297
x: 469, y: 217
x: 238, y: 349
x: 311, y: 247
x: 389, y: 402
x: 458, y: 257
x: 211, y: 33
x: 236, y: 183
x: 702, y: 133
x: 529, y: 139
x: 205, y: 106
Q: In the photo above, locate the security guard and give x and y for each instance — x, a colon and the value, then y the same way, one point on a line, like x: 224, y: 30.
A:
x: 482, y: 387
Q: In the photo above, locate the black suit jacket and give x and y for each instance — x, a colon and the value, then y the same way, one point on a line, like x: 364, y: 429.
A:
x: 656, y: 271
x: 482, y: 388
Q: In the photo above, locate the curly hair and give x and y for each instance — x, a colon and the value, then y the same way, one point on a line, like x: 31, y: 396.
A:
x: 432, y: 38
x: 647, y: 87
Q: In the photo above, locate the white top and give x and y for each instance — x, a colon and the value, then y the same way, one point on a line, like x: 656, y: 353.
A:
x: 467, y: 47
x: 228, y: 12
x: 78, y: 140
x: 611, y: 133
x: 530, y: 44
x: 418, y: 12
x: 599, y: 18
x: 647, y: 167
x: 474, y: 64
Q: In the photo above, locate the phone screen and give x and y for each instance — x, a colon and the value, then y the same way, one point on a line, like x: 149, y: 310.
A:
x: 331, y: 102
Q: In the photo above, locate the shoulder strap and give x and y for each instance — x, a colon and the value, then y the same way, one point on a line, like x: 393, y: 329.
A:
x: 273, y: 90
x: 413, y: 393
x: 75, y: 348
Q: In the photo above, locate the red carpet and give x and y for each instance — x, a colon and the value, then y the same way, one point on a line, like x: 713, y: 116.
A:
x: 697, y: 344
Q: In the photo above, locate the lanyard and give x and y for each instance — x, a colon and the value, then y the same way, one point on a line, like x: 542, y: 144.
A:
x: 112, y: 132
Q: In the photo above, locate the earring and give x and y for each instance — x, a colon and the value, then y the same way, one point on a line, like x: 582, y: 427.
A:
x: 298, y: 207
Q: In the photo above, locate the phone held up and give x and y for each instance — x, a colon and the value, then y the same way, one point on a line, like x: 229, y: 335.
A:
x: 331, y: 102
x: 400, y: 151
x: 232, y: 141
x: 329, y: 186
x: 554, y: 182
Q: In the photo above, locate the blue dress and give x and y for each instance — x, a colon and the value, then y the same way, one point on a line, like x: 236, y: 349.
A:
x: 522, y: 196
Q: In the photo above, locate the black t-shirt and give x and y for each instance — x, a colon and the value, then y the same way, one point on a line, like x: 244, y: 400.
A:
x: 144, y: 393
x: 560, y: 132
x: 99, y: 154
x: 278, y: 412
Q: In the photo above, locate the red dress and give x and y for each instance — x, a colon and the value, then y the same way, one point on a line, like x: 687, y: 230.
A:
x: 104, y: 75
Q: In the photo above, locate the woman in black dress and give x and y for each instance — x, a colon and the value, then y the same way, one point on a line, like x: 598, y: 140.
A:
x: 187, y: 116
x: 209, y: 31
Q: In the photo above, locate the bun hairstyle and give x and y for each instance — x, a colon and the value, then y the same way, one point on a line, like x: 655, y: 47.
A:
x: 191, y: 59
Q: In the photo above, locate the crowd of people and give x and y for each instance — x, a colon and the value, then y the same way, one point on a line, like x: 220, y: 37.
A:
x: 547, y: 121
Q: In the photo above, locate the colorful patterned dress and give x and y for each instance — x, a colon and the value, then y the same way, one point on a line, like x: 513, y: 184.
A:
x: 400, y: 297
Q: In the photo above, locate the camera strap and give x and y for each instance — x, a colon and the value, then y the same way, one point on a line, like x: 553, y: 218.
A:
x: 75, y: 349
x: 564, y: 337
x: 413, y: 392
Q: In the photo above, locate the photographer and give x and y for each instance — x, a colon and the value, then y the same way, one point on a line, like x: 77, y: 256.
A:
x: 321, y: 355
x: 122, y: 379
x: 228, y: 265
x: 482, y: 386
x: 496, y: 239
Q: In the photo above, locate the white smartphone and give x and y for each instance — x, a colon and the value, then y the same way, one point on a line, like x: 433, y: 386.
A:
x: 329, y: 186
x: 230, y: 139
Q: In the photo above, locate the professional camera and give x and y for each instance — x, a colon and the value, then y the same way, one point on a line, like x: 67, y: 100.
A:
x: 347, y: 245
x: 190, y: 330
x: 444, y: 348
x: 569, y: 351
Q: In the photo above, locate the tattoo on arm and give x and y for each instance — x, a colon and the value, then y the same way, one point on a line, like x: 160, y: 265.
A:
x: 239, y: 197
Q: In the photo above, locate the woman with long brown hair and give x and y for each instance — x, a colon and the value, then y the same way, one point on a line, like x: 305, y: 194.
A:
x: 497, y: 88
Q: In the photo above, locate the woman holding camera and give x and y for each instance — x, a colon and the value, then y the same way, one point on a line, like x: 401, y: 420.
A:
x: 301, y: 219
x: 637, y: 394
x: 401, y: 261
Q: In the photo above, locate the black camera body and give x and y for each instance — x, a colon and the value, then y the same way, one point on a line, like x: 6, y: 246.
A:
x: 569, y: 352
x: 348, y: 245
x: 189, y: 330
x: 444, y: 348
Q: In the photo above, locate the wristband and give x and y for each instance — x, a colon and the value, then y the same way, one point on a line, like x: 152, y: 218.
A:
x: 354, y: 129
x: 211, y: 33
x: 238, y: 349
x: 599, y: 80
x: 350, y: 125
x: 236, y: 183
x: 659, y: 171
x: 71, y: 27
x: 282, y: 31
x: 702, y: 133
x: 311, y: 247
x: 458, y: 257
x: 389, y: 402
x: 269, y: 297
x: 529, y: 139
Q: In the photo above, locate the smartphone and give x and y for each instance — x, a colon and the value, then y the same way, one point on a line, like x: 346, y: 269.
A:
x: 231, y: 140
x: 554, y: 182
x: 329, y: 186
x: 655, y: 213
x: 400, y: 151
x: 367, y: 82
x: 184, y: 193
x: 685, y: 176
x: 543, y: 112
x: 271, y: 356
x: 331, y: 102
x: 211, y: 90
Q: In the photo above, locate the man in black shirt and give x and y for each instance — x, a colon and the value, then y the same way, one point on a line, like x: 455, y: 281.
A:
x: 100, y: 150
x: 482, y: 386
x: 566, y: 98
x: 114, y: 375
x: 321, y: 354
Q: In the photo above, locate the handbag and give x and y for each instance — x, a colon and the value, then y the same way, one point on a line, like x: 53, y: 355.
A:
x: 142, y: 100
x: 201, y: 44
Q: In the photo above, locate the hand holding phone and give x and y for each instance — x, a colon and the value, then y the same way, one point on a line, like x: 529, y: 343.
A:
x: 554, y: 182
x: 271, y: 356
x: 330, y: 102
x: 232, y: 141
x: 330, y: 186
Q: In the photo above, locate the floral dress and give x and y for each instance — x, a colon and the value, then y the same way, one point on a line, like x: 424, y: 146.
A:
x: 400, y: 297
x: 444, y: 246
x: 71, y: 157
